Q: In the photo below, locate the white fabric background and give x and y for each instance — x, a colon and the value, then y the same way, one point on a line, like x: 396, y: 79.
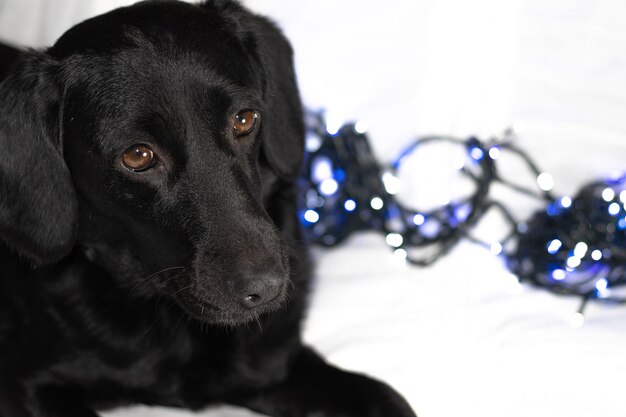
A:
x: 458, y: 338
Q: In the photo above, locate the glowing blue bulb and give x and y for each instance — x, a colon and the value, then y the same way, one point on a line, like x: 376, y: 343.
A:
x: 419, y: 219
x: 360, y: 127
x: 559, y: 274
x: 313, y: 142
x: 394, y: 239
x: 621, y: 223
x: 554, y: 246
x: 332, y: 129
x: 311, y: 216
x: 602, y: 284
x: 577, y: 320
x: 333, y: 123
x: 573, y: 262
x: 328, y: 187
x: 494, y: 152
x: 349, y: 205
x: 400, y: 255
x: 322, y: 169
x: 614, y: 209
x: 566, y: 202
x: 580, y: 249
x: 377, y: 203
x: 339, y: 174
x: 553, y: 209
x: 545, y: 181
x: 392, y: 183
x: 608, y: 194
x: 462, y: 212
x: 430, y: 228
x: 496, y: 248
x: 476, y: 153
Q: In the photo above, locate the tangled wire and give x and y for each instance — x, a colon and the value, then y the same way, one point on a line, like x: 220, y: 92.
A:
x: 575, y: 246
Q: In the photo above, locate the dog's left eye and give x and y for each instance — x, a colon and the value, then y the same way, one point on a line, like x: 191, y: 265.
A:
x: 138, y: 158
x: 244, y: 122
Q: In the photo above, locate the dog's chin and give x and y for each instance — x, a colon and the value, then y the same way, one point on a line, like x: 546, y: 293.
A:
x: 208, y: 313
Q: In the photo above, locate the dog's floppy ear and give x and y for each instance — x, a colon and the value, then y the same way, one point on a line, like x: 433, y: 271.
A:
x: 38, y: 208
x: 283, y: 126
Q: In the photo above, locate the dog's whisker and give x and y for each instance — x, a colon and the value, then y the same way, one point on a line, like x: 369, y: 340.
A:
x: 174, y: 277
x: 258, y: 321
x: 181, y: 290
x: 146, y: 279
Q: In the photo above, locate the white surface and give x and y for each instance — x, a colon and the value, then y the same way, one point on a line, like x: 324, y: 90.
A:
x: 453, y: 338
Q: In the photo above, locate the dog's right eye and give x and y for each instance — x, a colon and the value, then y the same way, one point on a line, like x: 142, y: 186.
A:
x: 138, y: 158
x: 244, y: 122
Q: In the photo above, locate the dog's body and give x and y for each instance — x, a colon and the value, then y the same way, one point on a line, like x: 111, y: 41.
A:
x: 149, y: 246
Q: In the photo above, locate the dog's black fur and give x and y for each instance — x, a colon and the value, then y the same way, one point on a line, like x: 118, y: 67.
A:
x: 121, y: 287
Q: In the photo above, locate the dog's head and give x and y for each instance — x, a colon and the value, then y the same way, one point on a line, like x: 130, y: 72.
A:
x: 153, y: 137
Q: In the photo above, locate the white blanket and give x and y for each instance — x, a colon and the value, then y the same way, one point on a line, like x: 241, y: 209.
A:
x: 458, y: 338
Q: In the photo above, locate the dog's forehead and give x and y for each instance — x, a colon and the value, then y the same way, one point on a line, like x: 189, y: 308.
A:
x: 162, y: 36
x: 164, y: 61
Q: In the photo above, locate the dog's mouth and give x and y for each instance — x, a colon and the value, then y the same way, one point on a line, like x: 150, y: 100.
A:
x: 230, y: 315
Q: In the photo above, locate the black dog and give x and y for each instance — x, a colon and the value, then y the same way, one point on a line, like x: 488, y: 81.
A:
x: 150, y: 246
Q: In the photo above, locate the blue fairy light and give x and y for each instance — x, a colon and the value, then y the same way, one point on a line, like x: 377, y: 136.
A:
x: 391, y: 182
x: 419, y: 219
x: 602, y: 284
x: 462, y: 212
x: 559, y: 274
x: 580, y: 250
x: 575, y: 245
x: 339, y: 175
x: 377, y: 203
x: 311, y: 216
x: 573, y: 262
x: 312, y: 142
x: 430, y: 228
x: 349, y: 205
x: 496, y: 248
x: 566, y: 202
x: 328, y: 187
x: 554, y: 209
x: 608, y: 194
x: 476, y: 153
x: 322, y: 168
x: 614, y: 209
x: 360, y: 127
x: 554, y: 246
x: 394, y: 240
x: 545, y: 181
x: 494, y: 152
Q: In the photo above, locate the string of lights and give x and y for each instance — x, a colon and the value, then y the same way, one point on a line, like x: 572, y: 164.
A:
x: 575, y: 246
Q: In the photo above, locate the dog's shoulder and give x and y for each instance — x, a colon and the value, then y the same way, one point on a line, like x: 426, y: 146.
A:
x: 8, y: 55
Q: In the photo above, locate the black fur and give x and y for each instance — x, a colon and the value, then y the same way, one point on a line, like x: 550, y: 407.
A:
x: 120, y: 287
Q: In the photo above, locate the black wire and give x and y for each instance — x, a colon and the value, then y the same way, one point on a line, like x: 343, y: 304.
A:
x: 359, y: 178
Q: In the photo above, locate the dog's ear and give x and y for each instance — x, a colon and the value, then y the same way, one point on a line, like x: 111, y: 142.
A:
x: 282, y: 127
x: 38, y: 208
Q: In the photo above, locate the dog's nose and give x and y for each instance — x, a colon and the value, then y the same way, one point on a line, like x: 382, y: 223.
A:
x: 260, y: 291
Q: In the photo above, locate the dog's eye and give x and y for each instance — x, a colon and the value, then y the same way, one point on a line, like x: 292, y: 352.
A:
x: 244, y: 122
x: 138, y: 158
